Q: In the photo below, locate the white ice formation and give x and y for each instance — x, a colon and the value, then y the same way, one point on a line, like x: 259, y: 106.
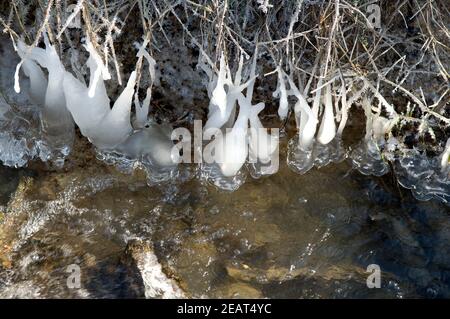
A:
x: 64, y: 99
x: 242, y: 134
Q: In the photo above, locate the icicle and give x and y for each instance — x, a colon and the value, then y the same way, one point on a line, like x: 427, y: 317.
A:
x: 87, y: 112
x: 308, y: 124
x: 99, y: 70
x: 317, y: 98
x: 16, y: 77
x: 218, y: 116
x: 306, y: 119
x: 104, y: 127
x: 219, y: 96
x: 221, y: 104
x: 55, y: 113
x: 344, y: 110
x: 327, y: 130
x: 445, y: 157
x: 281, y: 90
x: 238, y: 75
x: 233, y: 148
x: 116, y: 124
x: 55, y: 117
x: 38, y: 81
x: 262, y: 144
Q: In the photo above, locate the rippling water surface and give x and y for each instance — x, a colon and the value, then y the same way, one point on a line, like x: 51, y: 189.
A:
x: 284, y: 236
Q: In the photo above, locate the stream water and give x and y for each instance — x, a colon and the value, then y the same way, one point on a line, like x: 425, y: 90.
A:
x: 288, y: 235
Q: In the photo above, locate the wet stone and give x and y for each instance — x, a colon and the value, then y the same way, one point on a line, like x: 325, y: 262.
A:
x: 158, y: 282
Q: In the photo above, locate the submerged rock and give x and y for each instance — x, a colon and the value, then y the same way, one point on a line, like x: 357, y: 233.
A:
x: 157, y: 283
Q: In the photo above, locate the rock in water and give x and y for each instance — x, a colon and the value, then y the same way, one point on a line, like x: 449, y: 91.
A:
x: 157, y: 283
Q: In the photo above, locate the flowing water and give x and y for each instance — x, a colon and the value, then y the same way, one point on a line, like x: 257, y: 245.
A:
x: 283, y: 236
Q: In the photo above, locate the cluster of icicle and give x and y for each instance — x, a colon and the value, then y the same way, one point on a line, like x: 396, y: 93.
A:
x: 317, y: 145
x: 243, y: 139
x: 321, y: 116
x: 427, y: 177
x: 65, y: 100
